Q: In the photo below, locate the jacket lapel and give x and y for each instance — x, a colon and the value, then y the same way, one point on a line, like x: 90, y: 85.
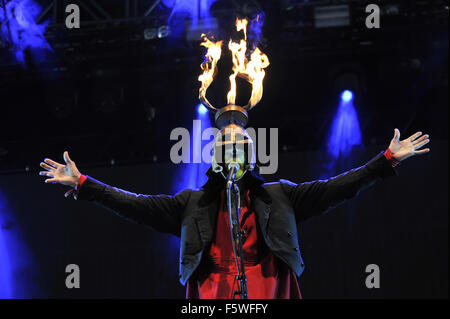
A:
x: 206, y: 217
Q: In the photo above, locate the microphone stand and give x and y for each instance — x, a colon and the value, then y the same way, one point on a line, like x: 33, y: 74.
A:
x: 233, y: 202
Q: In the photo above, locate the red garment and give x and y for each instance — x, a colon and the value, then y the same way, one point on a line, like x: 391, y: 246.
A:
x: 267, y: 276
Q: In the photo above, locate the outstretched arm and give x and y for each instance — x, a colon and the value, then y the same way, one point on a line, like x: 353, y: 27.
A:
x: 161, y: 212
x: 318, y: 197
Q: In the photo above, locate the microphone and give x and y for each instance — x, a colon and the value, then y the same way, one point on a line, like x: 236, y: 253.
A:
x: 233, y: 168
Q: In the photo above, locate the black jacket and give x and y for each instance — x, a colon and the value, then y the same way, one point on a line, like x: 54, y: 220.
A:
x: 279, y: 207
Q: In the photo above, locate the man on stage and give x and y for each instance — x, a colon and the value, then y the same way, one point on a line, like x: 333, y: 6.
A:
x: 269, y: 215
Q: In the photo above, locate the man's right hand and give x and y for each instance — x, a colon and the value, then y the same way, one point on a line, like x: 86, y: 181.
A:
x: 61, y: 174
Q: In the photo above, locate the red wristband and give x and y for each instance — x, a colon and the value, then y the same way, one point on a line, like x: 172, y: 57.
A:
x: 76, y: 189
x: 80, y: 181
x: 390, y: 157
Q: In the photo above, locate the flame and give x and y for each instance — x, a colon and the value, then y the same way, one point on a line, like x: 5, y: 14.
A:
x: 251, y: 70
x: 241, y: 25
x: 255, y: 71
x: 239, y: 65
x: 212, y: 56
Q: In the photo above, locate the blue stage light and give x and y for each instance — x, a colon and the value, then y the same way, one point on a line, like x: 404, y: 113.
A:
x: 345, y: 131
x: 19, y: 28
x: 347, y: 96
x: 194, y: 9
x: 193, y: 173
x: 18, y: 268
x: 5, y: 272
x: 201, y: 109
x: 5, y: 261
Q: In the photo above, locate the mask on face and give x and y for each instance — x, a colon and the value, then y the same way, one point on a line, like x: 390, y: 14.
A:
x: 233, y: 144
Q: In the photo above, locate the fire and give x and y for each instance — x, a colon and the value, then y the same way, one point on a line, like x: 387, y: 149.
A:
x: 239, y: 65
x: 212, y: 56
x: 251, y: 70
x: 241, y: 25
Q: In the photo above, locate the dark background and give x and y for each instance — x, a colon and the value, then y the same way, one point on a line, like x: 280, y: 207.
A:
x: 111, y: 94
x: 111, y: 97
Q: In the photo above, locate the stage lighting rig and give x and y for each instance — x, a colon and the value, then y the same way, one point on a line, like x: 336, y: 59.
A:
x: 157, y: 33
x: 332, y: 16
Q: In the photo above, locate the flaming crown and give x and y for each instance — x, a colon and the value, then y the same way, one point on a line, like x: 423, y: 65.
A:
x: 251, y: 70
